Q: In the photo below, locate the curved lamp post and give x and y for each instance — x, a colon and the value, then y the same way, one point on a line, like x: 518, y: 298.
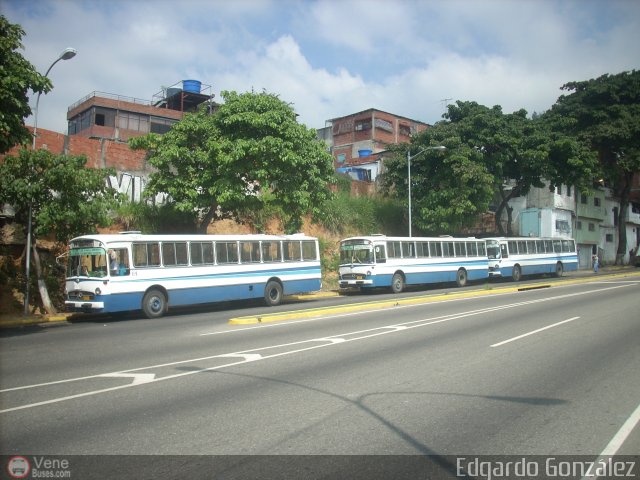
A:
x: 409, y: 158
x: 66, y: 54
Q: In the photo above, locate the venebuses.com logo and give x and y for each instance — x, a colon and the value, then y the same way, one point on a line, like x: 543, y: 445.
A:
x: 18, y: 467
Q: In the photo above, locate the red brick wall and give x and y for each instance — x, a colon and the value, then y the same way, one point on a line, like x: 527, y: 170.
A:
x: 99, y: 153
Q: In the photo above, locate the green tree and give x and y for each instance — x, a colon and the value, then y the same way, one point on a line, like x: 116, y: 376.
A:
x: 513, y: 149
x: 491, y: 155
x: 17, y: 77
x: 66, y: 198
x: 448, y: 189
x: 604, y: 114
x: 250, y: 154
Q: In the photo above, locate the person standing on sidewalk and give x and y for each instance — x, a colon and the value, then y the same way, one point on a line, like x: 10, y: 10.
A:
x: 596, y: 263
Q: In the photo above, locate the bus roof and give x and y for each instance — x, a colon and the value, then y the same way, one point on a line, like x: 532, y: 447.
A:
x: 185, y: 237
x: 378, y: 237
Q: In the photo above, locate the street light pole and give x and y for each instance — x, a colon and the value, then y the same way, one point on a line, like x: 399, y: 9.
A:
x: 66, y: 54
x: 409, y: 158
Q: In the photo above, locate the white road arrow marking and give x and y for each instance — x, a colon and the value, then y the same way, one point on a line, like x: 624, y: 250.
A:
x: 248, y: 357
x: 138, y: 378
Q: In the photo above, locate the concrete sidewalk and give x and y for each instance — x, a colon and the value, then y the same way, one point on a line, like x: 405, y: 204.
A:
x: 17, y: 319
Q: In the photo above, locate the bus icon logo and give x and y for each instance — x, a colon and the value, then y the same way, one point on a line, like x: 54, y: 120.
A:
x: 18, y: 467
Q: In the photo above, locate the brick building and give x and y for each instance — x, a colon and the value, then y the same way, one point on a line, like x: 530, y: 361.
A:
x: 358, y: 141
x: 100, y: 124
x: 115, y: 117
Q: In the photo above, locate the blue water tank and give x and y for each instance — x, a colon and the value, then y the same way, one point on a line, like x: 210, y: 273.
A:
x: 191, y: 86
x: 364, y: 153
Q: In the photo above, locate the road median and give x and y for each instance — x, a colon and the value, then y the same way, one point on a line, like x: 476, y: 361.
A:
x: 422, y: 299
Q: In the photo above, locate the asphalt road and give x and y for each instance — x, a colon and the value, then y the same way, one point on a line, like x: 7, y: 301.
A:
x: 547, y: 372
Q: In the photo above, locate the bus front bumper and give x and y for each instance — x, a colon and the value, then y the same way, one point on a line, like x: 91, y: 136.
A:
x: 355, y: 283
x: 80, y: 306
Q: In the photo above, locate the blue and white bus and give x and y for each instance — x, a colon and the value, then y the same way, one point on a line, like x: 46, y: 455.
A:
x: 131, y: 271
x: 394, y: 262
x: 513, y: 257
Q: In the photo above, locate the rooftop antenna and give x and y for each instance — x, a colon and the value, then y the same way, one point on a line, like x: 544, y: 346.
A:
x: 445, y: 102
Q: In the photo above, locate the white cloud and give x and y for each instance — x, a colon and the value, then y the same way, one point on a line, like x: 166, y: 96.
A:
x: 330, y: 58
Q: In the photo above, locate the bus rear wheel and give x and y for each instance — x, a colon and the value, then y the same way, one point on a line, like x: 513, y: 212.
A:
x: 154, y: 303
x: 559, y: 269
x: 397, y: 283
x: 273, y: 293
x: 461, y: 277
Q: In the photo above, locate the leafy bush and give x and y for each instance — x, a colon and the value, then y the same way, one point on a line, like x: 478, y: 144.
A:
x: 154, y: 218
x: 347, y: 215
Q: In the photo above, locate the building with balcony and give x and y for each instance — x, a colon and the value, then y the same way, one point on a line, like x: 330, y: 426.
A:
x: 359, y: 140
x: 116, y: 117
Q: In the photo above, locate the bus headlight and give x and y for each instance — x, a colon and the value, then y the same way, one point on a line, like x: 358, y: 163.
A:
x: 98, y: 291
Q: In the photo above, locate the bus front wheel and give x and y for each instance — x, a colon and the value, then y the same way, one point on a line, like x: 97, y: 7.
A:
x: 273, y: 293
x: 397, y: 283
x: 517, y: 273
x: 461, y: 277
x: 154, y: 304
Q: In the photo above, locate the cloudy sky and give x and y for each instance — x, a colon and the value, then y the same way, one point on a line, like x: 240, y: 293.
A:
x: 329, y: 58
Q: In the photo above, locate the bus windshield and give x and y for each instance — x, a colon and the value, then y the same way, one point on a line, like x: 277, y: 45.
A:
x: 493, y: 249
x: 353, y: 253
x: 87, y: 262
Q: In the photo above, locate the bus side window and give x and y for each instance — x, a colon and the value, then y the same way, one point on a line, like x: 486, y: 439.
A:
x: 291, y: 250
x: 309, y: 250
x: 548, y: 246
x: 394, y: 250
x: 381, y: 255
x: 271, y: 252
x: 504, y: 251
x: 435, y: 249
x: 408, y: 250
x: 122, y: 255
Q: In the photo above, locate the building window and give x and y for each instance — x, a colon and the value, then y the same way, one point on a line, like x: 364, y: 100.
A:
x: 104, y: 117
x: 609, y: 237
x: 568, y: 190
x: 383, y: 125
x: 562, y: 226
x: 161, y: 125
x: 583, y: 199
x: 592, y: 227
x: 341, y: 157
x: 133, y: 121
x: 362, y: 125
x: 596, y: 201
x: 405, y: 130
x: 578, y: 225
x: 559, y: 190
x: 615, y: 216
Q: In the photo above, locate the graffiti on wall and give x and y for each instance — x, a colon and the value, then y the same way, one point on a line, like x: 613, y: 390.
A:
x: 133, y: 186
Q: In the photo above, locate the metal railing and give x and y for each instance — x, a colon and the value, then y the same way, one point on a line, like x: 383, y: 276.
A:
x: 110, y: 96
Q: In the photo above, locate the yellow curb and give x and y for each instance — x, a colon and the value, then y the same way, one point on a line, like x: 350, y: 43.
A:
x: 311, y: 296
x: 377, y: 305
x: 20, y: 322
